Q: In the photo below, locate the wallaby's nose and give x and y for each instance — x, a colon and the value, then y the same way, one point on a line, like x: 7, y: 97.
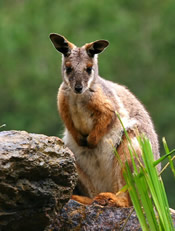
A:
x: 78, y: 89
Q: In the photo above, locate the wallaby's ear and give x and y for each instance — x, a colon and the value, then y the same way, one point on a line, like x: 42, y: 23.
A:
x: 96, y: 47
x: 61, y: 44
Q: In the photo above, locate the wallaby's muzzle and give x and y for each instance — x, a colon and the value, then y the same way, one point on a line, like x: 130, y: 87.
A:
x: 78, y: 88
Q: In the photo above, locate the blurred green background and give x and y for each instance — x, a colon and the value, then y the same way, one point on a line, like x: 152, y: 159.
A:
x: 141, y: 56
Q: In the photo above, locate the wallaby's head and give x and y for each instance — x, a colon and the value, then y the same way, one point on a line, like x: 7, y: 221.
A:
x: 79, y: 66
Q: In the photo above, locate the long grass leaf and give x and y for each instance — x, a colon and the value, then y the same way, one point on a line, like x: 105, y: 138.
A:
x: 169, y: 157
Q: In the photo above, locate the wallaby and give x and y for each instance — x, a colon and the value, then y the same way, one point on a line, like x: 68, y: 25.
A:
x: 87, y: 105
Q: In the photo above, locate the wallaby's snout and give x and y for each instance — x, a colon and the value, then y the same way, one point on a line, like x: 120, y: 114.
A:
x: 79, y: 64
x: 78, y: 88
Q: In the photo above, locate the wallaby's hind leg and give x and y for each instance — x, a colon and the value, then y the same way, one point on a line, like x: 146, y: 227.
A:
x: 110, y: 198
x: 124, y: 154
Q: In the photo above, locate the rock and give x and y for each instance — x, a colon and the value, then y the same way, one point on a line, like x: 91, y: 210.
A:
x: 78, y: 217
x: 37, y: 177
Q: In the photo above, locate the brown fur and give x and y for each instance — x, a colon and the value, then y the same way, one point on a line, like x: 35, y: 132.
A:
x: 104, y: 117
x: 82, y: 199
x: 110, y: 199
x: 68, y: 64
x: 66, y: 116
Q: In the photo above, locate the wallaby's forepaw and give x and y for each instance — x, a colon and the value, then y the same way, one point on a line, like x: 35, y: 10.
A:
x: 92, y: 141
x: 82, y: 140
x: 110, y: 199
x: 85, y: 141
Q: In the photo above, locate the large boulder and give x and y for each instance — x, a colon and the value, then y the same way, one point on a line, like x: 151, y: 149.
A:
x: 37, y: 177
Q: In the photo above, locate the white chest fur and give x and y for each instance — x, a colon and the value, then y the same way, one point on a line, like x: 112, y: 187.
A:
x: 81, y: 117
x: 97, y: 163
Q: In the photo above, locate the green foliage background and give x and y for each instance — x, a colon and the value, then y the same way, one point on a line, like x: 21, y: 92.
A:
x: 141, y: 56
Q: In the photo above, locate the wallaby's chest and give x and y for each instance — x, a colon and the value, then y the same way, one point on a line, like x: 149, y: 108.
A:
x: 81, y: 116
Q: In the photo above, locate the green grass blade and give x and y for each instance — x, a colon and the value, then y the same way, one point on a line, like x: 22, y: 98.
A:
x: 134, y: 197
x: 156, y: 187
x: 165, y: 167
x: 147, y: 204
x: 156, y: 162
x: 169, y: 157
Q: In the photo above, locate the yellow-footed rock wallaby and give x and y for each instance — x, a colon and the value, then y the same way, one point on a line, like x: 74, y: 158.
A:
x: 88, y: 104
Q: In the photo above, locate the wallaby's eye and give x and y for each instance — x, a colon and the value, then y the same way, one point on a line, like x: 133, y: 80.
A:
x: 89, y: 70
x: 68, y: 70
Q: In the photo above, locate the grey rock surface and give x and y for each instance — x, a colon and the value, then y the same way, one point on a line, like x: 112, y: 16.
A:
x: 37, y: 177
x: 78, y: 217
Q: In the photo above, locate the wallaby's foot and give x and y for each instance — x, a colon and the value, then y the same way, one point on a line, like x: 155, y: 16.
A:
x: 104, y: 199
x: 110, y: 199
x: 82, y: 199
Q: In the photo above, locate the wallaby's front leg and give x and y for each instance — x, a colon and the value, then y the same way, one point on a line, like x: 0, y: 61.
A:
x: 101, y: 127
x: 104, y: 116
x: 63, y: 106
